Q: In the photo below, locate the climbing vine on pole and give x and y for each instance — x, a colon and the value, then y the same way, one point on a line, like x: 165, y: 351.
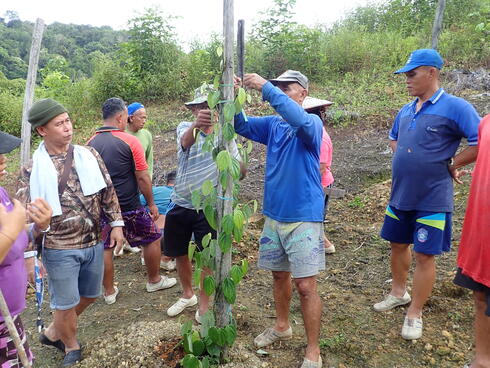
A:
x: 224, y: 213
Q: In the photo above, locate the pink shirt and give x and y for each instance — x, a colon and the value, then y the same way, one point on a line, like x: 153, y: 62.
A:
x: 326, y: 152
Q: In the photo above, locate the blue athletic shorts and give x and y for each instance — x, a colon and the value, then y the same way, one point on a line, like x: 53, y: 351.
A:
x: 295, y: 247
x: 429, y: 232
x: 73, y: 273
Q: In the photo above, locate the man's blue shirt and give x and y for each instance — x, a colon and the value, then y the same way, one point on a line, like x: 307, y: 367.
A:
x: 426, y: 141
x: 161, y: 196
x: 293, y: 190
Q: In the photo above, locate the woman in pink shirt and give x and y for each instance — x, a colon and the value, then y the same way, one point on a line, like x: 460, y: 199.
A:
x: 318, y: 107
x: 14, y: 239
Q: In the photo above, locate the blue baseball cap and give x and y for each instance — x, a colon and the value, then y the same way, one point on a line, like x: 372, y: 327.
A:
x: 135, y: 106
x: 422, y: 57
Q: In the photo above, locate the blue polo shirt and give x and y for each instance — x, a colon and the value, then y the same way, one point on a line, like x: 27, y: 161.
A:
x: 293, y: 190
x: 426, y: 141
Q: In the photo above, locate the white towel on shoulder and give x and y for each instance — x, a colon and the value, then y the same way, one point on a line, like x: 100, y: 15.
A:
x: 44, y: 177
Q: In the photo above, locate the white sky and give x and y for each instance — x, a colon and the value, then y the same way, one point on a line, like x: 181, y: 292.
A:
x: 199, y: 18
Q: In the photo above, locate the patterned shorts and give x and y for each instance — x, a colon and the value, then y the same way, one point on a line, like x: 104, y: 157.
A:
x: 139, y: 229
x: 8, y: 352
x: 295, y: 247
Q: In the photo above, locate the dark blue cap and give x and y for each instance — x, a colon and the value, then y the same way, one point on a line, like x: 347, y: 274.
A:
x: 422, y: 57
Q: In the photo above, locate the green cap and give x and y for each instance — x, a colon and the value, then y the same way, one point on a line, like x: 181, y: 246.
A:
x: 43, y: 111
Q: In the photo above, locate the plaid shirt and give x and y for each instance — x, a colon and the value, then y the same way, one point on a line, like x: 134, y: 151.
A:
x: 79, y: 225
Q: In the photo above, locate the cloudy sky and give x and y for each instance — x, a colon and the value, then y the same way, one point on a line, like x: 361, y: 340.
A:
x: 197, y: 18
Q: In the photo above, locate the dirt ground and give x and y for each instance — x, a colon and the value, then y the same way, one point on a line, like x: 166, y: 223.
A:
x: 353, y: 335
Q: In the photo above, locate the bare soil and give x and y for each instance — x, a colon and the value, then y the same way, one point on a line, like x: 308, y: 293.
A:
x: 132, y: 332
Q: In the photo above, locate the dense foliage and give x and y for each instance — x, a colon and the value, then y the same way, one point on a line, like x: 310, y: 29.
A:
x: 82, y: 65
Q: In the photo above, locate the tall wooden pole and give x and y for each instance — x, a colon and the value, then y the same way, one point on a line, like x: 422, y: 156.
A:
x: 437, y: 27
x: 37, y: 36
x: 225, y: 204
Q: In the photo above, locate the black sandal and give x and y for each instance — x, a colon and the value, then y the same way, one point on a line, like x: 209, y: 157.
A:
x: 58, y: 344
x: 72, y: 358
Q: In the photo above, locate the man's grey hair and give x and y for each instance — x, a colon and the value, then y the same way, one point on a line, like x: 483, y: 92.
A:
x: 112, y: 106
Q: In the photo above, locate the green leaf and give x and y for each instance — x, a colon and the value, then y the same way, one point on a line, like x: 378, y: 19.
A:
x: 188, y: 343
x: 227, y: 224
x: 191, y: 250
x: 206, y: 257
x: 236, y: 274
x: 242, y: 96
x: 235, y: 169
x: 205, y: 240
x: 249, y: 98
x: 249, y: 147
x: 196, y: 199
x: 196, y: 277
x: 207, y: 187
x: 207, y: 321
x: 186, y: 328
x: 205, y: 362
x: 219, y: 51
x: 244, y: 266
x: 223, y: 160
x: 213, y: 334
x: 229, y: 111
x: 256, y: 205
x: 213, y: 350
x: 209, y: 285
x: 230, y: 333
x: 238, y: 107
x: 208, y: 144
x: 247, y: 211
x: 222, y: 337
x: 223, y: 179
x: 198, y: 259
x: 237, y: 234
x: 216, y: 82
x: 238, y: 218
x: 213, y: 99
x: 228, y: 132
x: 198, y: 347
x: 229, y: 290
x: 190, y: 361
x: 210, y: 214
x: 224, y: 242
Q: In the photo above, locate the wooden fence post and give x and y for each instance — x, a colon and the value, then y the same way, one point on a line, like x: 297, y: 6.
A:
x: 437, y: 27
x: 25, y: 148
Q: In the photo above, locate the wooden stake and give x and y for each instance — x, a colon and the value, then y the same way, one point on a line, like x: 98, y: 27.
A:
x: 437, y: 27
x: 4, y: 309
x: 37, y: 35
x: 224, y: 205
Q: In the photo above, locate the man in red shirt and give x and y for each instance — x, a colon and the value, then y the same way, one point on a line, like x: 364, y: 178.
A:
x: 124, y: 158
x: 474, y: 249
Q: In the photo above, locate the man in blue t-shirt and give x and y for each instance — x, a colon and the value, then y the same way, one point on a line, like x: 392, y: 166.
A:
x: 425, y: 136
x: 162, y: 197
x: 292, y: 239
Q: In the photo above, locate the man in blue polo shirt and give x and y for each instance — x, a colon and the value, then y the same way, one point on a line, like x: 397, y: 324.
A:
x: 425, y: 136
x: 291, y: 244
